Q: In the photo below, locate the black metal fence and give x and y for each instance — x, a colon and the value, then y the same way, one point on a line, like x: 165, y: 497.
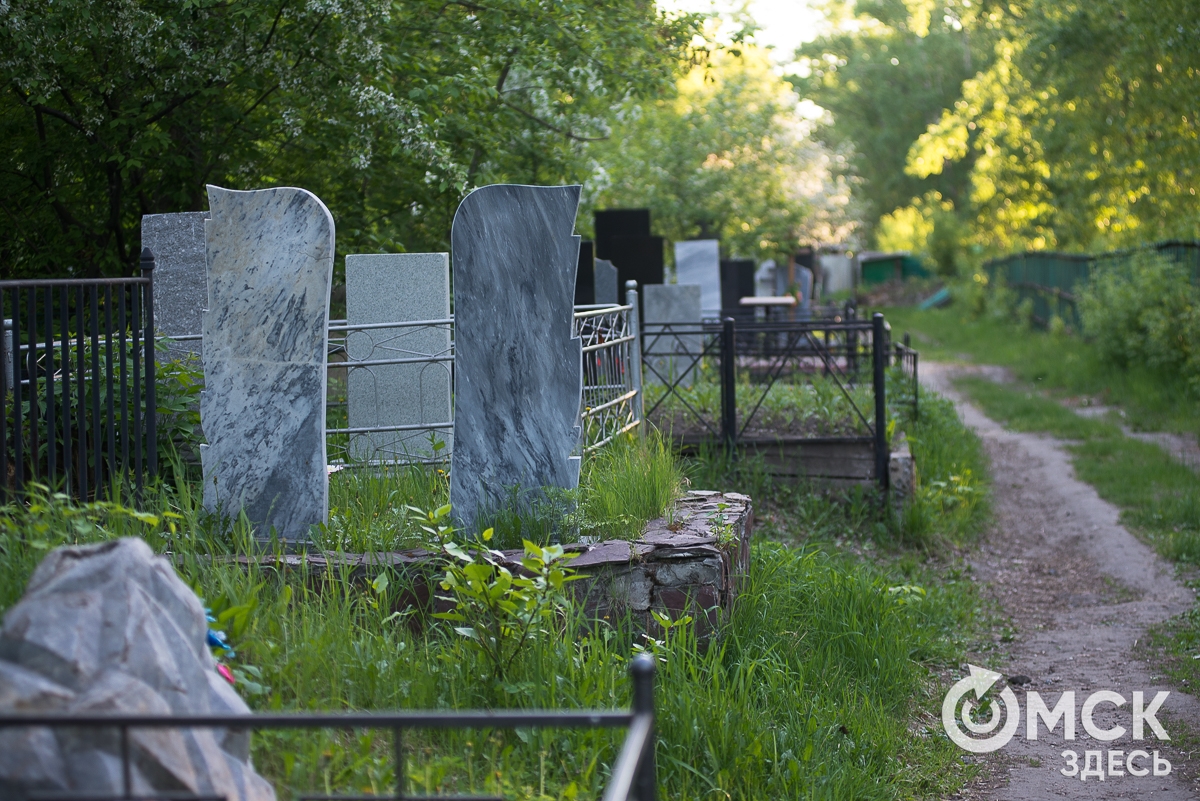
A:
x: 77, y: 384
x: 713, y: 382
x: 634, y: 776
x: 906, y: 360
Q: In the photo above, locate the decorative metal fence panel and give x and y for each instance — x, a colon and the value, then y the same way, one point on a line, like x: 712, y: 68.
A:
x: 769, y: 383
x: 1050, y: 280
x: 633, y: 778
x: 366, y: 355
x: 78, y: 384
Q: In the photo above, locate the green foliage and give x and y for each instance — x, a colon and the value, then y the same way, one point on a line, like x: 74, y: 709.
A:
x: 387, y: 110
x: 719, y: 158
x: 629, y: 483
x: 1144, y: 310
x: 885, y: 71
x: 499, y: 613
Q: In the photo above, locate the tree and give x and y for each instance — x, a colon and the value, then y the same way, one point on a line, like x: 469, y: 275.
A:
x: 722, y: 157
x: 388, y: 110
x: 885, y: 74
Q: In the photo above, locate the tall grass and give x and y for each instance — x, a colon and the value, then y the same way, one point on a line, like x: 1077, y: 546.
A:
x: 628, y: 483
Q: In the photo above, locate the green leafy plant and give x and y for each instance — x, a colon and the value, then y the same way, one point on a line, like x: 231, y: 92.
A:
x: 497, y: 611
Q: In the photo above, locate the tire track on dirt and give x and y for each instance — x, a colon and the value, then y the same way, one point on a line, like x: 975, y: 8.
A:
x: 1081, y: 592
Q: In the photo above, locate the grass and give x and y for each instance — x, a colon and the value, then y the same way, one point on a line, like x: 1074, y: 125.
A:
x: 1063, y: 365
x: 821, y: 686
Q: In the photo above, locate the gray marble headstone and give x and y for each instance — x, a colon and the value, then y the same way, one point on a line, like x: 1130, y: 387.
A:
x: 518, y: 378
x: 605, y: 281
x: 389, y: 288
x: 180, y: 282
x: 270, y: 266
x: 698, y: 262
x: 671, y: 303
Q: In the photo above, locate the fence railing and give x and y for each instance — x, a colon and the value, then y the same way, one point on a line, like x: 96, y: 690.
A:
x: 907, y: 359
x: 717, y: 383
x: 633, y: 777
x: 1051, y: 281
x: 612, y: 370
x: 77, y: 384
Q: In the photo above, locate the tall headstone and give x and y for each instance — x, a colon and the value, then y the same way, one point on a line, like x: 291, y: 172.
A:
x: 737, y: 282
x: 585, y: 277
x: 605, y: 281
x: 671, y: 352
x: 180, y: 282
x: 698, y: 262
x: 391, y: 288
x: 270, y: 266
x: 518, y: 367
x: 623, y: 237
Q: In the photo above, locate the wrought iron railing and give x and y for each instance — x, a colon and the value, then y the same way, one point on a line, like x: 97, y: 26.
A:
x: 737, y: 365
x: 633, y: 775
x: 612, y: 370
x: 77, y: 383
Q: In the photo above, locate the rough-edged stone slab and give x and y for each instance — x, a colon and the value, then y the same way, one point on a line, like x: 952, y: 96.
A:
x: 180, y: 281
x: 604, y: 279
x: 111, y: 628
x: 671, y: 303
x: 270, y: 266
x: 518, y: 369
x: 698, y: 262
x: 387, y: 288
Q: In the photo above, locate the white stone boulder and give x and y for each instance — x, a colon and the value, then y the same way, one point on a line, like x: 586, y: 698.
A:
x: 111, y: 628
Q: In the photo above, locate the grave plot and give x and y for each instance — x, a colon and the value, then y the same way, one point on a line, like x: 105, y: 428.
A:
x: 809, y: 396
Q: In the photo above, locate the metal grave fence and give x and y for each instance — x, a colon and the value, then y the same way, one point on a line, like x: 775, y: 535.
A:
x: 77, y: 383
x: 633, y: 777
x: 770, y: 387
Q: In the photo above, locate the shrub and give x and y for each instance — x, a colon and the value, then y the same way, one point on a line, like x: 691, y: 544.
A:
x: 1144, y: 311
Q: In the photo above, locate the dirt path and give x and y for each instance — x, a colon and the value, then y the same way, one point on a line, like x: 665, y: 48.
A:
x: 1080, y: 591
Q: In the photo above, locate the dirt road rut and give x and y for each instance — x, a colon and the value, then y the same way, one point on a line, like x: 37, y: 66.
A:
x: 1080, y: 591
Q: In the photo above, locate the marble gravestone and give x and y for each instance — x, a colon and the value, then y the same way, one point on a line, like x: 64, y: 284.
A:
x: 399, y: 287
x: 605, y: 281
x: 518, y: 380
x: 270, y: 267
x: 180, y: 283
x: 671, y: 303
x: 698, y: 262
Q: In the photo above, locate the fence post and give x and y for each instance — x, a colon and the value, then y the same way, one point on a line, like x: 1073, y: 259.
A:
x: 635, y: 356
x: 729, y: 386
x: 850, y: 315
x: 151, y: 399
x: 879, y: 357
x: 645, y: 786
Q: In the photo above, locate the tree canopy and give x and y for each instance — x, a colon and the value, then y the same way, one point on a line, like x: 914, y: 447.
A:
x: 389, y: 111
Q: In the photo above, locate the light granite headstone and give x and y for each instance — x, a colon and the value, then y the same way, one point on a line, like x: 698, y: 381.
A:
x: 180, y: 281
x: 605, y: 281
x: 671, y: 352
x: 698, y: 262
x: 518, y: 378
x: 270, y: 266
x: 388, y: 288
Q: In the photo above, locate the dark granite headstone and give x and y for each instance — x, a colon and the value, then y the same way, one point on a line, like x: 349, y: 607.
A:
x: 585, y: 281
x: 180, y: 282
x: 610, y: 223
x: 737, y: 282
x: 605, y: 282
x: 518, y: 366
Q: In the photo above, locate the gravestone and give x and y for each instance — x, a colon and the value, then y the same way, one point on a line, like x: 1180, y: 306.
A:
x: 698, y: 263
x: 518, y: 367
x: 585, y: 278
x: 623, y: 237
x: 737, y: 282
x: 270, y: 266
x: 180, y: 282
x: 671, y: 303
x: 388, y: 288
x: 804, y: 281
x: 605, y: 282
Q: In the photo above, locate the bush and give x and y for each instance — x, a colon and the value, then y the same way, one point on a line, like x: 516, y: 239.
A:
x: 1144, y: 311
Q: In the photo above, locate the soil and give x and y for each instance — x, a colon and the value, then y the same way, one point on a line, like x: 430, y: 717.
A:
x: 1079, y: 592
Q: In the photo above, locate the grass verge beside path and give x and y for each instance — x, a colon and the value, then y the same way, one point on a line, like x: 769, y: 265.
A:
x: 1063, y: 365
